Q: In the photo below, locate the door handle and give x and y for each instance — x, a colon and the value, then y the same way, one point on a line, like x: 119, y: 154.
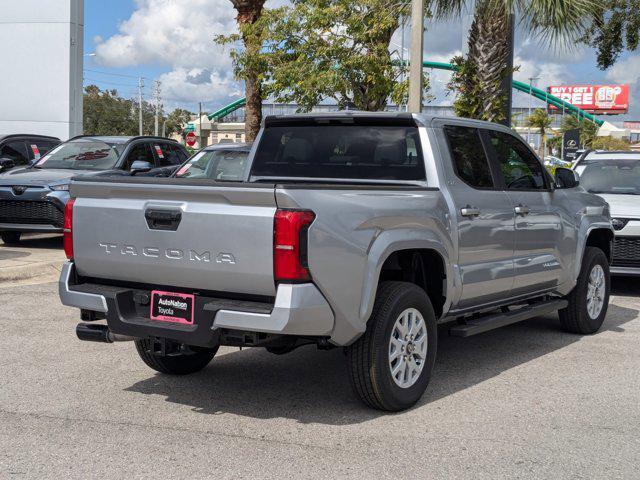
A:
x: 470, y: 211
x: 522, y: 210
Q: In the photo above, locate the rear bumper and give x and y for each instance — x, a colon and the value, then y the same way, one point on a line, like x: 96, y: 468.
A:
x: 24, y: 227
x: 299, y: 310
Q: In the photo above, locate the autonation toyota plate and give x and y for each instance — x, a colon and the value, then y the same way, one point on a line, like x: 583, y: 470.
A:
x: 172, y: 307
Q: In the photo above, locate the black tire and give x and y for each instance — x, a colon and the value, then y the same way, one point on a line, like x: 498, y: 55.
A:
x: 175, y: 364
x: 575, y: 318
x: 10, y: 238
x: 368, y: 357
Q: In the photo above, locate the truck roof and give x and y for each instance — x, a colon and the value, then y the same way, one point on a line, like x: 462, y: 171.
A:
x: 420, y: 119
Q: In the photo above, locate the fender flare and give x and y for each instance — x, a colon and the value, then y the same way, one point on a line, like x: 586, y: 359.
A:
x: 393, y: 241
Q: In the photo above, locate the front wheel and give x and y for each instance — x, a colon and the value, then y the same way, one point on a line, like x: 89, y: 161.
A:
x: 589, y: 300
x: 391, y: 364
x: 176, y: 363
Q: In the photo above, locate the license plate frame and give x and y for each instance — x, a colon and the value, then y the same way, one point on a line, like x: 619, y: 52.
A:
x: 172, y: 309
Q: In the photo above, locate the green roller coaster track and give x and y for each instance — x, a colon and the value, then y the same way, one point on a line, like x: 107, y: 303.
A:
x: 523, y: 87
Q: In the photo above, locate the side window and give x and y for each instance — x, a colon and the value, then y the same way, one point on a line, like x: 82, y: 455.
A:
x: 16, y: 151
x: 520, y: 168
x: 469, y: 158
x: 142, y: 152
x: 41, y: 147
x: 167, y: 154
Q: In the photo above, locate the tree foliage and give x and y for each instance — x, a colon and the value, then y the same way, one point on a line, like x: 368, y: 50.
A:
x: 609, y: 143
x: 615, y: 27
x: 107, y: 113
x: 541, y: 120
x: 588, y: 129
x: 479, y: 79
x: 314, y: 50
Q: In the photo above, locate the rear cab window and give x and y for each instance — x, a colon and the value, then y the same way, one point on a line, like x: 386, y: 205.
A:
x: 346, y: 150
x: 470, y: 161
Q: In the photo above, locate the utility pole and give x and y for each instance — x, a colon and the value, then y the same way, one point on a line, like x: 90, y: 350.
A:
x: 531, y: 80
x: 416, y: 57
x: 140, y: 86
x: 157, y: 95
x: 200, y: 122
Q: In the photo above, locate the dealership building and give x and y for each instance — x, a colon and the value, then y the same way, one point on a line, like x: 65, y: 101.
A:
x: 41, y: 50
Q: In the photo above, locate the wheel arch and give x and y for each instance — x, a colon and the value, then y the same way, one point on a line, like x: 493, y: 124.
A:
x: 394, y: 261
x: 599, y: 235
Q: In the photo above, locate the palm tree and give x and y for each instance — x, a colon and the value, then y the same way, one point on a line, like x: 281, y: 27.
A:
x: 481, y: 74
x: 249, y: 12
x: 541, y: 120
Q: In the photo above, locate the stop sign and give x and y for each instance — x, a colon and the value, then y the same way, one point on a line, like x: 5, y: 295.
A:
x: 191, y: 139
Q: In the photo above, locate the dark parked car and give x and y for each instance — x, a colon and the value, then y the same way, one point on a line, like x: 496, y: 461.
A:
x: 32, y: 199
x: 21, y: 150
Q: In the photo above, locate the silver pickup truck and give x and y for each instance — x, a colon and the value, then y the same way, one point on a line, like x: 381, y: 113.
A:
x: 355, y: 230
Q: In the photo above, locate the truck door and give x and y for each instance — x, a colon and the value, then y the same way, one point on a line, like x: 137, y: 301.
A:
x: 539, y: 227
x: 484, y: 219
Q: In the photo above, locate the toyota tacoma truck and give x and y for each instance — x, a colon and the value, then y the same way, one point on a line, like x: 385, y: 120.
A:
x: 365, y: 231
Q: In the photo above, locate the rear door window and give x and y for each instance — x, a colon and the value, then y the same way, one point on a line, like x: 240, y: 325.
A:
x: 470, y: 161
x: 167, y: 154
x: 39, y: 148
x: 142, y: 152
x: 16, y: 151
x: 340, y: 151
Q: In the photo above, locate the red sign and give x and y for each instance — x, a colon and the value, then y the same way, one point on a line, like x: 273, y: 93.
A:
x: 191, y: 139
x: 607, y: 99
x: 159, y: 151
x: 631, y: 125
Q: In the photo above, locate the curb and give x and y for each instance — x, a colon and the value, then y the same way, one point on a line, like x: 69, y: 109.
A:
x: 30, y: 271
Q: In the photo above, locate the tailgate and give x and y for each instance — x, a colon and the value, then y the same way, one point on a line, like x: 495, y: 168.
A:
x: 191, y: 235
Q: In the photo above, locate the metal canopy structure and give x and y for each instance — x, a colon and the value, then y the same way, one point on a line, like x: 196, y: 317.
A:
x: 521, y: 86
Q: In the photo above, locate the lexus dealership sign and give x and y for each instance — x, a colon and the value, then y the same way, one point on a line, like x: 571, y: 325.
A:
x: 603, y: 99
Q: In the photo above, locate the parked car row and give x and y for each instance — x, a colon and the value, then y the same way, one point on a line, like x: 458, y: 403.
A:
x: 33, y: 193
x: 21, y: 150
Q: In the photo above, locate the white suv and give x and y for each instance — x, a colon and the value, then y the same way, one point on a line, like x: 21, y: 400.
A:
x: 615, y: 176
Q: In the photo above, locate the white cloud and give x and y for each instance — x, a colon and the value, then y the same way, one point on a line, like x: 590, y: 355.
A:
x: 180, y: 35
x: 625, y: 71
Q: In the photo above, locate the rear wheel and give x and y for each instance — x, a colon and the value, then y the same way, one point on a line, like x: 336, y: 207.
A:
x: 194, y: 360
x: 10, y: 238
x: 390, y: 365
x: 589, y: 299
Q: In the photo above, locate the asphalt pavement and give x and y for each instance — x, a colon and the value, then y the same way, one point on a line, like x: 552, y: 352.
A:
x: 525, y: 401
x: 36, y: 259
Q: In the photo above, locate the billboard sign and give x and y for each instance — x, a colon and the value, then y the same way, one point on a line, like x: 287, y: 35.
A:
x: 599, y: 99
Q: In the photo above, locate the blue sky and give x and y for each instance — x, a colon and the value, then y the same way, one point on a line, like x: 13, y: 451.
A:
x: 172, y: 41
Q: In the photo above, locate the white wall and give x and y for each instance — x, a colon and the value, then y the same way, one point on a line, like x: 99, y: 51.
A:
x: 41, y: 78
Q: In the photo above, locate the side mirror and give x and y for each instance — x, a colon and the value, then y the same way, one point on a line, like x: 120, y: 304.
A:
x: 6, y: 164
x: 140, y: 166
x: 567, y: 178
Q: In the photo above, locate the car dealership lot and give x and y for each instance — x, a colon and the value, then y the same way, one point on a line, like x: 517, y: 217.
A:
x: 526, y: 401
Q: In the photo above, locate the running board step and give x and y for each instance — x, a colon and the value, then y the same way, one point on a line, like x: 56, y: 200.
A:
x: 493, y: 321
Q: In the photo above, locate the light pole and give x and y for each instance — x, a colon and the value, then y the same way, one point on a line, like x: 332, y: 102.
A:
x: 415, y: 56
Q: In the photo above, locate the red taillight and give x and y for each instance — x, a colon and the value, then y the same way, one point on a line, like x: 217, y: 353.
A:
x: 290, y: 245
x: 68, y: 229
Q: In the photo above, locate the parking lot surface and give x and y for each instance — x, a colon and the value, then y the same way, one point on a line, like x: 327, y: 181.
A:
x: 36, y: 259
x: 526, y: 401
